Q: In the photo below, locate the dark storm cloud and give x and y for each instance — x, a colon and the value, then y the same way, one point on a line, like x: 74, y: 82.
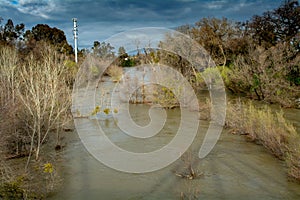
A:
x: 98, y: 20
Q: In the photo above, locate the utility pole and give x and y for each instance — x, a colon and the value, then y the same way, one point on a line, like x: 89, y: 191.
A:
x: 75, y: 33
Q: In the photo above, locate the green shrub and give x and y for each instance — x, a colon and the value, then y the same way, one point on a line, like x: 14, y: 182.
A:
x: 12, y: 190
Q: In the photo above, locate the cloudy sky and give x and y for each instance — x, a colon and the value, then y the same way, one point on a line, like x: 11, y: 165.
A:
x: 99, y: 19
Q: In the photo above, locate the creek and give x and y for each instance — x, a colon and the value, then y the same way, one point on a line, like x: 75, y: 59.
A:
x: 234, y: 169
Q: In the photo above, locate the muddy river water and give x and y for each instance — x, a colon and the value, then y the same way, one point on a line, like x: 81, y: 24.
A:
x: 234, y: 169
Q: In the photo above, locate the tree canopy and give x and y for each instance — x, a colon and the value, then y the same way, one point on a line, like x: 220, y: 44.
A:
x: 53, y: 36
x: 10, y: 33
x: 103, y: 49
x: 15, y: 35
x: 279, y: 25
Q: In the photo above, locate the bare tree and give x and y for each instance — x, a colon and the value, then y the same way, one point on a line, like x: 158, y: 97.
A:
x: 45, y: 96
x: 8, y: 68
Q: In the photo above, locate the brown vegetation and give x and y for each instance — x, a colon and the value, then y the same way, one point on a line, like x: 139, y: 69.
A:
x: 260, y: 57
x: 35, y: 103
x: 270, y: 129
x: 115, y: 72
x: 264, y: 74
x: 187, y: 170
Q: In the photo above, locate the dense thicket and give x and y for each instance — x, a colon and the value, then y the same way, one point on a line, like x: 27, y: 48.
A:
x: 260, y: 57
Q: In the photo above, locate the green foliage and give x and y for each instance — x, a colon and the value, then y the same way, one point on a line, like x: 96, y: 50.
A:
x: 124, y: 60
x: 210, y: 77
x: 294, y: 75
x: 12, y: 190
x: 255, y: 82
x: 225, y: 71
x: 155, y: 56
x: 46, y: 33
x: 72, y: 69
x: 127, y: 62
x: 165, y: 97
x: 71, y: 65
x: 94, y: 70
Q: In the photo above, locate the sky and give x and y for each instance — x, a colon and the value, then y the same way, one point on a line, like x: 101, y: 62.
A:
x: 100, y: 19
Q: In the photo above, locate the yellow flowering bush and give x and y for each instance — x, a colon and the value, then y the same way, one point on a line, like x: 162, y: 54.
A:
x: 106, y: 111
x: 48, y: 168
x: 96, y: 110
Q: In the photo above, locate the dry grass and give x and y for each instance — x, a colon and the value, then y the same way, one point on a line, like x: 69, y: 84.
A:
x: 187, y: 170
x: 6, y: 173
x: 115, y: 72
x: 190, y: 191
x: 205, y: 106
x: 269, y: 129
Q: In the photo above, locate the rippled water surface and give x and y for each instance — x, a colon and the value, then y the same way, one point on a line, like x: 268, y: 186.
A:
x: 234, y: 169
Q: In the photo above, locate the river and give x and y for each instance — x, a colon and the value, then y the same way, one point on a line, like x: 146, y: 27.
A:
x: 235, y: 169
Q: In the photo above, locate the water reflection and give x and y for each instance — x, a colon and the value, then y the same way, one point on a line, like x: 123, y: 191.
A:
x: 234, y: 169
